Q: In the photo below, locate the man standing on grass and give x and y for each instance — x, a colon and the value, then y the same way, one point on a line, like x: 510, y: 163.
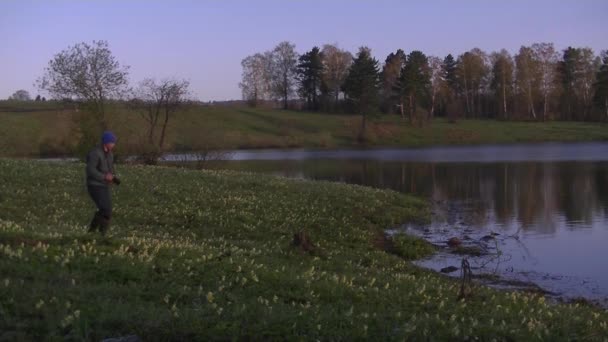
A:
x: 100, y: 175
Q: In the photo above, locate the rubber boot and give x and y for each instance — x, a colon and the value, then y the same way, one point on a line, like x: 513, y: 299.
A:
x: 95, y: 223
x: 104, y: 226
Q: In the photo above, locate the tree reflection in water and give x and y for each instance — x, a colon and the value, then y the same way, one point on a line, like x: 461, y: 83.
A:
x: 533, y: 196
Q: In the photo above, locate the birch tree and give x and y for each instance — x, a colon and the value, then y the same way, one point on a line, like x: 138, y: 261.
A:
x: 502, y: 80
x: 527, y: 79
x: 546, y: 58
x: 438, y: 81
x: 472, y: 71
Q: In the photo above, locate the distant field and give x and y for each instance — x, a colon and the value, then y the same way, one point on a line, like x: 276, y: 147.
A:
x: 48, y: 130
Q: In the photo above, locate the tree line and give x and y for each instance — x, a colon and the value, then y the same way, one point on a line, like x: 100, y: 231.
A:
x: 537, y: 83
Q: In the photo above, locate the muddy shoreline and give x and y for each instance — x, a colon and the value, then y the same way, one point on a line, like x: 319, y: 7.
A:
x: 491, y: 256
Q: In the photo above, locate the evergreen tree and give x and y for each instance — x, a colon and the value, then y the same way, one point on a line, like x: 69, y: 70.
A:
x: 449, y: 66
x: 601, y: 85
x: 415, y: 82
x: 577, y: 73
x: 389, y: 77
x: 310, y: 72
x: 361, y: 86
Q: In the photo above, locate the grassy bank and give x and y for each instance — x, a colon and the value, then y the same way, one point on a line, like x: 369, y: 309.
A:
x: 48, y: 130
x: 209, y: 255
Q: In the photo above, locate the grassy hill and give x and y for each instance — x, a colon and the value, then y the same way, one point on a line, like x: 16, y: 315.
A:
x: 48, y: 129
x: 199, y: 255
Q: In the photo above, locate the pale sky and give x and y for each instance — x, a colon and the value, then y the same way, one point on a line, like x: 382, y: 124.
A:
x: 205, y: 41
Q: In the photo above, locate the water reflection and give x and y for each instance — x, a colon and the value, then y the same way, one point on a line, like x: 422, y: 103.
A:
x: 534, y: 197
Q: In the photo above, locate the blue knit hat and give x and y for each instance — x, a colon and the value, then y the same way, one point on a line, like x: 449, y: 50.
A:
x: 108, y: 137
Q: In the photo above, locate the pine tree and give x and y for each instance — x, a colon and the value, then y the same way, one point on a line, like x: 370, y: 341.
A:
x: 449, y: 66
x: 310, y: 71
x: 389, y: 77
x: 361, y: 86
x: 601, y: 85
x: 415, y: 82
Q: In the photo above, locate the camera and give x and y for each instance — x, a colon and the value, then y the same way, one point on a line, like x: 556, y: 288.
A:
x: 116, y: 180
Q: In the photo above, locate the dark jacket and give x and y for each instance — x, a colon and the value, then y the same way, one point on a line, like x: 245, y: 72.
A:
x: 98, y: 164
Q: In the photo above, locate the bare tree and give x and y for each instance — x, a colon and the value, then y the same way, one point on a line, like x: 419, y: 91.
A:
x: 157, y: 102
x: 336, y: 63
x: 86, y: 72
x: 256, y: 81
x: 285, y: 61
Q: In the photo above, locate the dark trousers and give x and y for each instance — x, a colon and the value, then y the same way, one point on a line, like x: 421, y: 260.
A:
x: 103, y: 200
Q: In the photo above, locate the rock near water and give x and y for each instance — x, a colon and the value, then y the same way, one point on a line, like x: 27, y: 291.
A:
x: 449, y: 269
x: 454, y: 242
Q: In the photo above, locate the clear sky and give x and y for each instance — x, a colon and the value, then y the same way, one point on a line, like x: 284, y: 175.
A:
x: 205, y: 41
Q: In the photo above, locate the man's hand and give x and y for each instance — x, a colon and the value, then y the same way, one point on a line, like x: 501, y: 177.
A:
x: 109, y: 177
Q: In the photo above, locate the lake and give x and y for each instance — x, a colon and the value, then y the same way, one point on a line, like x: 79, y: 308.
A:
x: 538, y: 211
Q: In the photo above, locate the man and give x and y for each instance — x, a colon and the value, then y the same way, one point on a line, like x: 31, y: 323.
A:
x: 100, y: 175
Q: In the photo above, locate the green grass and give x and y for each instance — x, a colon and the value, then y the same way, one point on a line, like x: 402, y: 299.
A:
x: 410, y: 247
x: 198, y: 255
x: 49, y: 130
